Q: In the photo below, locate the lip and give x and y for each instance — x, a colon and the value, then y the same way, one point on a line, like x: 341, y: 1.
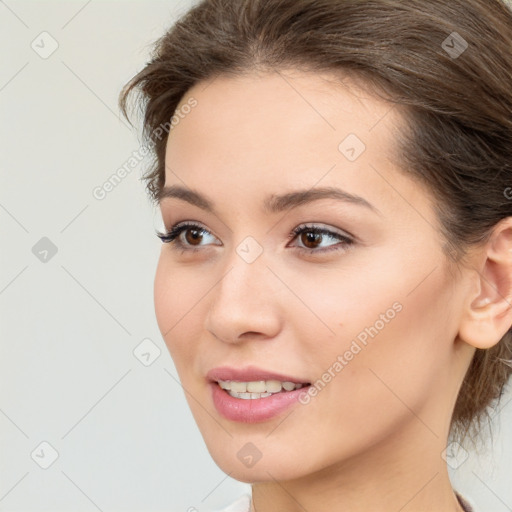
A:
x: 249, y: 373
x: 251, y: 410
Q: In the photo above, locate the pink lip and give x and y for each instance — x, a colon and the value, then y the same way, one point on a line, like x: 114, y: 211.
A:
x: 249, y: 373
x: 251, y: 410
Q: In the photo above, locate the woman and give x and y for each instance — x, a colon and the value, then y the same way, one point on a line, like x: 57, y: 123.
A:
x: 335, y: 281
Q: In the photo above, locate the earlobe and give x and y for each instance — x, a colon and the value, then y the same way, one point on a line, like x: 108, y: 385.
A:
x: 488, y: 311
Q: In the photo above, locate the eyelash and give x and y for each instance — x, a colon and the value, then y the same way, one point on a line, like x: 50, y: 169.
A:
x: 172, y: 236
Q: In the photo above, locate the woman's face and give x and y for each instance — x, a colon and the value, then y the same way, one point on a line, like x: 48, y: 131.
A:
x: 364, y: 311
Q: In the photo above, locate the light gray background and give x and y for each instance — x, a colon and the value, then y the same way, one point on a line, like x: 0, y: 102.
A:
x: 69, y: 325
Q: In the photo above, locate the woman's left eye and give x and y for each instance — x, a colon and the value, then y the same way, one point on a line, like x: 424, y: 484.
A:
x: 310, y: 236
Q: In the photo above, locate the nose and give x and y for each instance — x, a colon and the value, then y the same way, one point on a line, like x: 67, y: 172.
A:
x: 245, y: 303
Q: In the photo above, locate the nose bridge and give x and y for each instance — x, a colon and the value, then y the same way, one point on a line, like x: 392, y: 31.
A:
x: 245, y: 271
x: 244, y: 284
x: 243, y: 299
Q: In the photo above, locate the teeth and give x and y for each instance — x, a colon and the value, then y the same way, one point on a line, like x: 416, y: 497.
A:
x: 273, y: 386
x: 256, y: 389
x: 249, y: 396
x: 238, y: 387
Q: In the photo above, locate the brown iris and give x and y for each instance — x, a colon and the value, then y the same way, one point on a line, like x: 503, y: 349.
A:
x: 309, y: 237
x: 193, y: 235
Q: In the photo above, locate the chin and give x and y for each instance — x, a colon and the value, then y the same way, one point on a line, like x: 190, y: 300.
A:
x: 264, y: 466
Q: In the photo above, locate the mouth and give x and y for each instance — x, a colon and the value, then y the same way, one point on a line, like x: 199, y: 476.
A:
x: 251, y: 394
x: 251, y: 390
x: 255, y: 401
x: 252, y: 382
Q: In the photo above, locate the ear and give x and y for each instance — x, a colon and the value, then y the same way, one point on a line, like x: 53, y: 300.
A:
x: 487, y: 315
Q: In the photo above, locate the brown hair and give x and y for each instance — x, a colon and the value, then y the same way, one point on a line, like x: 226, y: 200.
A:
x: 449, y: 63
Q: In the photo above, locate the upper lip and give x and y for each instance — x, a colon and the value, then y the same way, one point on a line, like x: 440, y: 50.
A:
x: 249, y: 374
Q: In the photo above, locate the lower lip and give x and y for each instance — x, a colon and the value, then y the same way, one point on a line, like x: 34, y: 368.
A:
x: 252, y: 410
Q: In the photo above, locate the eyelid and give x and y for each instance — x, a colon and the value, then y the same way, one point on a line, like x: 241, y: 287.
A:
x: 325, y: 228
x: 190, y: 224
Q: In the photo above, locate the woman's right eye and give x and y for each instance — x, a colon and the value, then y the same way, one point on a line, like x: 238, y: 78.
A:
x: 194, y: 234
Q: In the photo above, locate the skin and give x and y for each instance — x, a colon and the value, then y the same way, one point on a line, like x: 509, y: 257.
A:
x: 373, y: 438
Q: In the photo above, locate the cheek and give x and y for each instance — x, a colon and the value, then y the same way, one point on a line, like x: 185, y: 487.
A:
x: 332, y: 306
x: 165, y: 300
x: 176, y: 292
x: 382, y: 376
x: 376, y: 323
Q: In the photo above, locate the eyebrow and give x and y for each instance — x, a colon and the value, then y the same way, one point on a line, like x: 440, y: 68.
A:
x: 274, y: 203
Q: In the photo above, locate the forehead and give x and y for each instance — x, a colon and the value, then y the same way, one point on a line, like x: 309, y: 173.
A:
x: 285, y: 99
x: 291, y: 116
x: 257, y: 134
